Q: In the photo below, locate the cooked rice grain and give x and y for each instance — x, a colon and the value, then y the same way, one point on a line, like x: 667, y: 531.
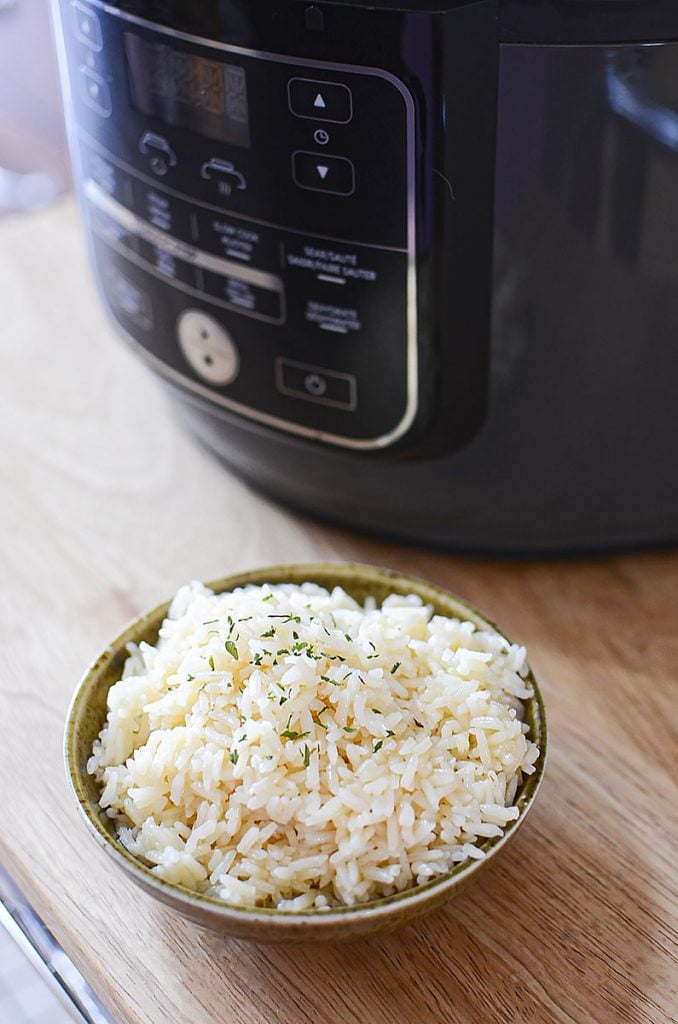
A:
x: 284, y: 746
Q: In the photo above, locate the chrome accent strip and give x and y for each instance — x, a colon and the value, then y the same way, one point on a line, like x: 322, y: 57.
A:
x: 47, y: 957
x: 196, y: 293
x: 412, y: 355
x: 182, y: 250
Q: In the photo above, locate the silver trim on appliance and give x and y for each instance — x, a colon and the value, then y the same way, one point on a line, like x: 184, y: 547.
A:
x: 45, y: 954
x: 289, y: 426
x: 129, y: 220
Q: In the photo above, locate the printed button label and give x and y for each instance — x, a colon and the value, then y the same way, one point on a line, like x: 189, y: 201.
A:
x: 339, y: 319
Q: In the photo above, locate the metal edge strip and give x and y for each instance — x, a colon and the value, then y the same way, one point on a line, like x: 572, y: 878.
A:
x: 133, y: 257
x: 127, y: 219
x: 45, y: 954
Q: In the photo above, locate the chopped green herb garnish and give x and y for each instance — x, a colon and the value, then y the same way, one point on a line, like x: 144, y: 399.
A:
x: 317, y: 714
x: 271, y: 632
x: 378, y: 745
x: 211, y: 662
x: 396, y: 667
x: 390, y: 732
x: 290, y: 734
x: 371, y: 656
x: 348, y: 728
x: 307, y: 755
x: 233, y: 757
x: 376, y: 711
x: 210, y: 622
x: 326, y: 679
x: 287, y: 618
x: 190, y: 679
x: 283, y: 700
x: 267, y: 598
x: 232, y: 649
x: 283, y: 650
x: 295, y: 635
x: 349, y: 638
x: 418, y: 724
x: 371, y: 645
x: 257, y: 659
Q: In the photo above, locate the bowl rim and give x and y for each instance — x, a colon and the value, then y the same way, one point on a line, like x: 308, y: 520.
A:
x: 375, y: 909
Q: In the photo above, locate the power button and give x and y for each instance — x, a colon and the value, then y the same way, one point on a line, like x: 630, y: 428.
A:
x: 316, y: 384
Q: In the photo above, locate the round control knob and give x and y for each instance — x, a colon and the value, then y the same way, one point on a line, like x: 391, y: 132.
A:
x: 207, y: 347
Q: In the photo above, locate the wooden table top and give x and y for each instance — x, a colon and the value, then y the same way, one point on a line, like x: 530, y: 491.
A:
x: 108, y: 506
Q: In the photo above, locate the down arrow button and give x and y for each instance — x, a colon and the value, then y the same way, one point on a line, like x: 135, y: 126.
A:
x: 332, y: 174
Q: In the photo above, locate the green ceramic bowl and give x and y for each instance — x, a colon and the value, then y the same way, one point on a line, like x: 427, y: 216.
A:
x: 87, y: 714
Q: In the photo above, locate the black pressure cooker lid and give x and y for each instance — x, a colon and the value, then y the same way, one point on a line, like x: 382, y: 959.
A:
x: 588, y: 21
x: 556, y: 21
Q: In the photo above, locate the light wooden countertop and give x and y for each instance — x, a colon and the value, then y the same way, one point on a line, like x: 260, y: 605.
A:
x: 107, y: 506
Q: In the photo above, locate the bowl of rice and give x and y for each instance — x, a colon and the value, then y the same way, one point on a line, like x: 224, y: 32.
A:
x: 316, y: 751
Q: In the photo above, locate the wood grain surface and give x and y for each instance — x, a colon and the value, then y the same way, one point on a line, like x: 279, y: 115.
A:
x: 107, y: 506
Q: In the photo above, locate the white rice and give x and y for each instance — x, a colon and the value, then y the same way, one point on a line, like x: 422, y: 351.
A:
x: 284, y: 746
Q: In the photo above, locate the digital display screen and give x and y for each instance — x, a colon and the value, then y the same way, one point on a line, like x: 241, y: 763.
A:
x: 205, y: 96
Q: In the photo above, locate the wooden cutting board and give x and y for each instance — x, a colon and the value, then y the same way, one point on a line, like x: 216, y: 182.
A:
x: 107, y: 506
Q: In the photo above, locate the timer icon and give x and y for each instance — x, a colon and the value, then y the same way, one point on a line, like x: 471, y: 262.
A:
x: 321, y: 136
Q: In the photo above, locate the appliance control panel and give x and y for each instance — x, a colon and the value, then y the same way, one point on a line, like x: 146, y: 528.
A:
x: 251, y: 220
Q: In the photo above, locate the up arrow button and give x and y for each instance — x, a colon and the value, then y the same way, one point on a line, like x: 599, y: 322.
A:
x: 320, y: 101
